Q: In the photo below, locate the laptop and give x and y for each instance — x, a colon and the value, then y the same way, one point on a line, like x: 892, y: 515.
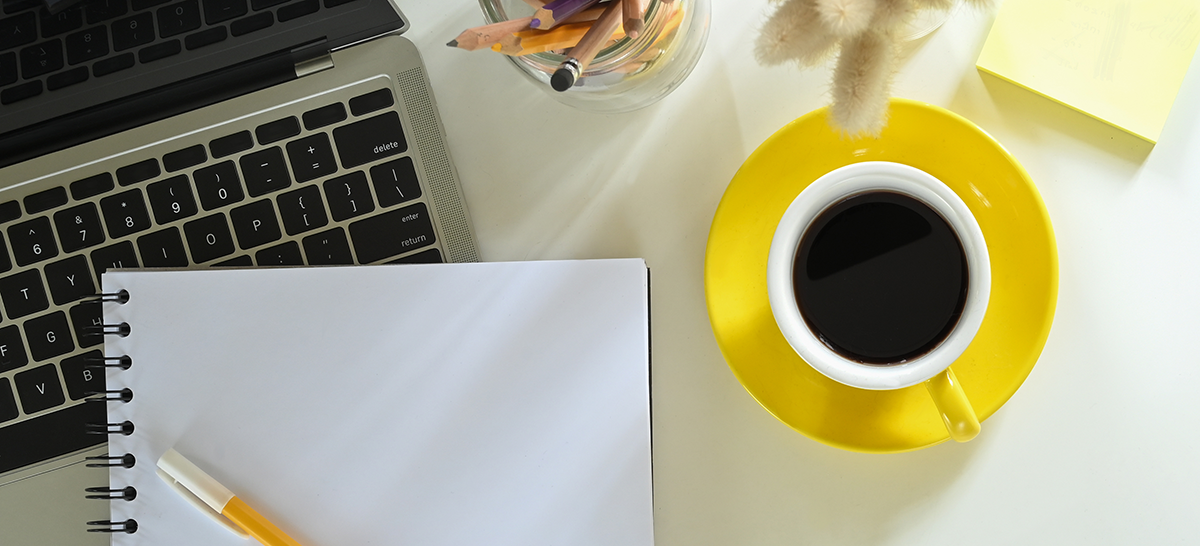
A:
x: 187, y: 133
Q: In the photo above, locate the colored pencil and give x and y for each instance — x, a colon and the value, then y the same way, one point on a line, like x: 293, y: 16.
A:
x: 634, y: 12
x: 484, y: 36
x: 558, y: 12
x: 562, y: 36
x: 583, y: 53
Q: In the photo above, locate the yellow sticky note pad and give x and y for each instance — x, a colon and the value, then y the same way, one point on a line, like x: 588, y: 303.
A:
x: 1120, y: 61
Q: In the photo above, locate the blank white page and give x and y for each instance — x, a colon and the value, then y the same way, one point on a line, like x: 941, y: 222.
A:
x: 450, y: 404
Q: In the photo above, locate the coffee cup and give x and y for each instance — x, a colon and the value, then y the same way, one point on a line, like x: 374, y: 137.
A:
x: 878, y: 277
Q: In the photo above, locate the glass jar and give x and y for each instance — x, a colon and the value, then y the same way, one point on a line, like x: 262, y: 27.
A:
x: 629, y: 74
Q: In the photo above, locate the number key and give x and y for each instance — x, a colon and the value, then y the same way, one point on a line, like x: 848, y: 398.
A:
x: 32, y: 241
x: 125, y: 213
x: 178, y: 18
x: 218, y: 185
x: 171, y: 199
x: 86, y: 45
x: 79, y: 227
x: 133, y: 31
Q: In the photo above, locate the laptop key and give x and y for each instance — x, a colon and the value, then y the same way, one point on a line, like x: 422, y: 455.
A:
x: 348, y: 196
x: 125, y: 213
x: 178, y: 18
x: 255, y: 224
x: 311, y: 157
x: 265, y: 171
x: 39, y: 389
x: 42, y: 58
x: 45, y: 200
x: 162, y: 249
x: 8, y: 403
x: 264, y: 4
x: 208, y: 238
x: 8, y: 68
x: 91, y: 186
x: 395, y: 182
x: 277, y: 130
x: 86, y: 45
x: 5, y: 263
x: 182, y: 159
x: 431, y: 256
x: 302, y: 210
x: 325, y: 115
x: 138, y: 172
x: 70, y: 280
x: 246, y: 25
x: 12, y: 349
x: 63, y: 21
x: 370, y: 139
x: 18, y: 30
x: 218, y: 185
x: 101, y: 10
x: 133, y: 31
x: 285, y: 254
x: 118, y: 256
x: 9, y: 211
x: 218, y: 11
x: 79, y: 227
x: 296, y: 10
x: 112, y: 64
x: 50, y: 435
x: 49, y: 336
x: 139, y: 5
x: 392, y: 233
x: 159, y: 51
x: 328, y: 248
x: 370, y: 102
x: 23, y: 294
x: 171, y: 199
x: 85, y: 318
x: 81, y: 380
x: 67, y: 78
x: 21, y: 92
x: 232, y: 144
x: 32, y: 241
x: 205, y: 38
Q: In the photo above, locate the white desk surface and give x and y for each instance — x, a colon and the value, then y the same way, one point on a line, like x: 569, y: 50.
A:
x: 1099, y: 446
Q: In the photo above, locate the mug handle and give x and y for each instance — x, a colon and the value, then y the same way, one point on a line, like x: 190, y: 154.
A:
x: 957, y: 413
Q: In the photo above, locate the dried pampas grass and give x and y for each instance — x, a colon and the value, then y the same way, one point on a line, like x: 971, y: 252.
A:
x: 808, y: 31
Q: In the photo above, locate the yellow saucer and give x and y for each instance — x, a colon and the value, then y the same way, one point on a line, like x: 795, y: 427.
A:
x: 1020, y: 243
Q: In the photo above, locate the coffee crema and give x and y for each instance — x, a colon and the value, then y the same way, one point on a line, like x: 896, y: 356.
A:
x: 880, y: 278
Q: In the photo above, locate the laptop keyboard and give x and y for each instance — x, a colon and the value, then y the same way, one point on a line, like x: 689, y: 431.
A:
x: 332, y: 184
x: 42, y: 52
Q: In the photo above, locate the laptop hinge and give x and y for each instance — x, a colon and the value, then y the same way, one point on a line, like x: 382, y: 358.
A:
x: 313, y: 65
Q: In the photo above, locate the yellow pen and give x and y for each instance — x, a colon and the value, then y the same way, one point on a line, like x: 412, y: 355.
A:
x: 216, y: 500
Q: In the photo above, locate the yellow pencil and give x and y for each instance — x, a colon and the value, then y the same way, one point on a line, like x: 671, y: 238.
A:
x: 539, y: 41
x: 478, y: 37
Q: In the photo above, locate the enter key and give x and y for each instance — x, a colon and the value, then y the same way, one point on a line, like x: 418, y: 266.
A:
x: 374, y: 138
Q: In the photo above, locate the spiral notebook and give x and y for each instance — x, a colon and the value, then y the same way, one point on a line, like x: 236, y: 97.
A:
x: 442, y: 404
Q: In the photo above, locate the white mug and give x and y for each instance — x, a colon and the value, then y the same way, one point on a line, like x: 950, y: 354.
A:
x: 932, y: 367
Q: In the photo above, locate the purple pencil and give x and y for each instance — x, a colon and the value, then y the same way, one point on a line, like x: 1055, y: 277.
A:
x: 557, y: 11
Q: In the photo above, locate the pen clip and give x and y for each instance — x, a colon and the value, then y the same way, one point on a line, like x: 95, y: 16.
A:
x: 194, y: 499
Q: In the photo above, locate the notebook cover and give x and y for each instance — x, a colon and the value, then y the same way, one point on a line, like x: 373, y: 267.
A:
x: 449, y: 404
x: 1120, y: 61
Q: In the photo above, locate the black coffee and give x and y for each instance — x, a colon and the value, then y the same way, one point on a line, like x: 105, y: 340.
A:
x: 880, y: 278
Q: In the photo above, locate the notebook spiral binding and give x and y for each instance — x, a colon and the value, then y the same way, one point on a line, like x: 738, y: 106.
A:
x: 126, y: 428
